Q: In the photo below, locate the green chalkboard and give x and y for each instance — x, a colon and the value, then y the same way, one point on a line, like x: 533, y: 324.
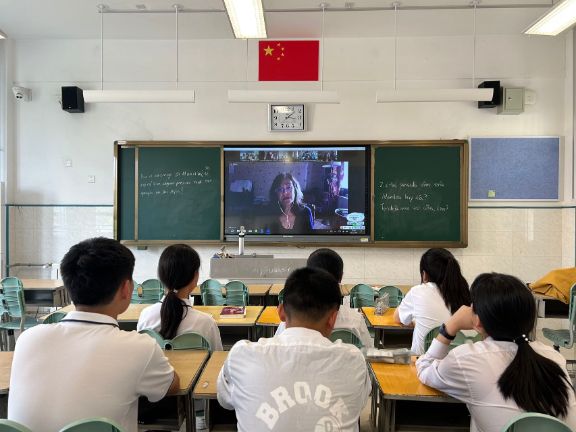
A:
x: 421, y: 194
x: 168, y: 193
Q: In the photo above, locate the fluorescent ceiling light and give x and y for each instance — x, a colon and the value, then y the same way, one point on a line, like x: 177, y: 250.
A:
x: 163, y: 96
x: 247, y: 18
x: 556, y: 20
x: 283, y: 96
x: 2, y: 35
x: 434, y: 95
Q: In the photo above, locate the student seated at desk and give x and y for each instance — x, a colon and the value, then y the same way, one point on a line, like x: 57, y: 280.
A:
x: 505, y: 374
x: 178, y: 270
x: 299, y: 380
x: 85, y: 366
x: 348, y: 318
x: 442, y: 291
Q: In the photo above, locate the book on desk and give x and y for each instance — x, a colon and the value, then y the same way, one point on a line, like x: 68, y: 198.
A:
x: 233, y: 312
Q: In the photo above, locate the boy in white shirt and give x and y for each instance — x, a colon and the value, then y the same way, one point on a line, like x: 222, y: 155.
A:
x: 85, y: 366
x: 348, y: 318
x: 299, y: 380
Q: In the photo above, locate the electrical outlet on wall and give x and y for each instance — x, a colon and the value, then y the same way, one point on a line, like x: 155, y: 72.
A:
x: 91, y: 179
x: 68, y: 163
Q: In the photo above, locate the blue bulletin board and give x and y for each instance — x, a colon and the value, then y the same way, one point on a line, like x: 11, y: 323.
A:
x: 519, y: 168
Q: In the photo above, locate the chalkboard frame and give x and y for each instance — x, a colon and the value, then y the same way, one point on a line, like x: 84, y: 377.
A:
x: 159, y: 144
x: 462, y: 242
x: 372, y: 144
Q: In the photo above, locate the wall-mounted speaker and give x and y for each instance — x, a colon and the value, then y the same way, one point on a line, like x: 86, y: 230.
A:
x: 496, y: 96
x: 72, y: 99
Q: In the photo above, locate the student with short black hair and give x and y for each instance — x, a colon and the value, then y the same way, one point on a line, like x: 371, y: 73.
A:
x: 299, y: 380
x: 441, y: 292
x: 85, y: 366
x: 178, y: 270
x: 506, y: 374
x: 348, y: 318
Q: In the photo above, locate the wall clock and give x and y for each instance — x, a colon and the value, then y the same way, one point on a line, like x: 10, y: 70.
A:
x: 286, y: 118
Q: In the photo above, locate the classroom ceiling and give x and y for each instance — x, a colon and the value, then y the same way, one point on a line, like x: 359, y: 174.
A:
x: 155, y: 19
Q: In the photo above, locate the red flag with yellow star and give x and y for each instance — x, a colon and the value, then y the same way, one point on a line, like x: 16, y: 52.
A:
x: 288, y: 60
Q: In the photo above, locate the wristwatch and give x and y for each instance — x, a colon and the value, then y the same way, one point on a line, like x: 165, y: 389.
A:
x: 442, y: 330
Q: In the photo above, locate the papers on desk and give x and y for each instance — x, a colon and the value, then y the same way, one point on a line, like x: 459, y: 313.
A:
x: 400, y: 355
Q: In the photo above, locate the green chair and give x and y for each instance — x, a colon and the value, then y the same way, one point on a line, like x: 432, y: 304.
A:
x: 281, y: 296
x: 190, y: 340
x: 564, y: 338
x: 148, y: 292
x: 97, y: 424
x: 156, y: 336
x: 211, y: 293
x: 54, y: 317
x: 536, y: 422
x: 13, y: 309
x: 236, y: 293
x: 361, y: 289
x: 460, y: 339
x: 395, y: 296
x: 360, y: 300
x: 12, y: 426
x: 346, y: 336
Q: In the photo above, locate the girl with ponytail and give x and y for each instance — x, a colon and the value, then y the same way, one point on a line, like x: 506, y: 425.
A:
x: 178, y: 269
x: 505, y: 374
x: 442, y: 291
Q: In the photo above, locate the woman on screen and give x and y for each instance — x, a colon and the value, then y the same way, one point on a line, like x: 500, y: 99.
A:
x: 288, y: 212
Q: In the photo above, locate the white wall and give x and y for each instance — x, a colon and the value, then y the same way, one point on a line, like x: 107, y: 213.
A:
x: 527, y: 242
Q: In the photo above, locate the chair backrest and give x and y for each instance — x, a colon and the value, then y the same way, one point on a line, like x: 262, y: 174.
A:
x: 99, y: 424
x: 12, y: 426
x: 281, y: 296
x: 210, y: 285
x: 362, y: 300
x: 54, y: 317
x: 190, y: 340
x: 236, y: 293
x: 360, y: 289
x: 346, y: 336
x: 460, y: 339
x: 13, y: 297
x: 148, y: 292
x: 535, y: 422
x: 572, y: 314
x: 156, y: 336
x: 213, y: 298
x: 395, y: 296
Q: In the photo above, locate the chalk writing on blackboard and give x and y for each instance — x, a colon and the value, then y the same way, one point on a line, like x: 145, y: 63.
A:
x: 412, y: 196
x: 173, y: 183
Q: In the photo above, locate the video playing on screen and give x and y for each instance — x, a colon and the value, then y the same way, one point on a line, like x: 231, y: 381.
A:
x: 298, y: 191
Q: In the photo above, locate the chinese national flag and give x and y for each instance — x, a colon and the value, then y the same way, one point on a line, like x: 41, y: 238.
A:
x: 288, y: 60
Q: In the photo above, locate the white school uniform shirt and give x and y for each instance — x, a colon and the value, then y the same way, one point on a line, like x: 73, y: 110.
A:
x: 470, y: 373
x: 424, y: 306
x: 194, y: 321
x: 347, y: 318
x: 82, y: 367
x: 297, y: 381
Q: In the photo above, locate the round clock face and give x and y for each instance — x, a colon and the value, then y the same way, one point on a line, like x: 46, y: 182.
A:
x: 286, y: 118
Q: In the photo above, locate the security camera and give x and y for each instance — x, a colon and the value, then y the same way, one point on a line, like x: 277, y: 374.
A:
x: 22, y: 93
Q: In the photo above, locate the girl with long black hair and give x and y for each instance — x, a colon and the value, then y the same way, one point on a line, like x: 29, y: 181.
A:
x: 505, y: 374
x: 178, y: 270
x: 442, y: 291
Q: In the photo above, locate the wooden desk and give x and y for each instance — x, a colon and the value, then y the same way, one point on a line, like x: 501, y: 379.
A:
x: 383, y: 323
x: 269, y: 320
x: 399, y: 382
x: 205, y: 387
x: 45, y: 292
x: 186, y: 363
